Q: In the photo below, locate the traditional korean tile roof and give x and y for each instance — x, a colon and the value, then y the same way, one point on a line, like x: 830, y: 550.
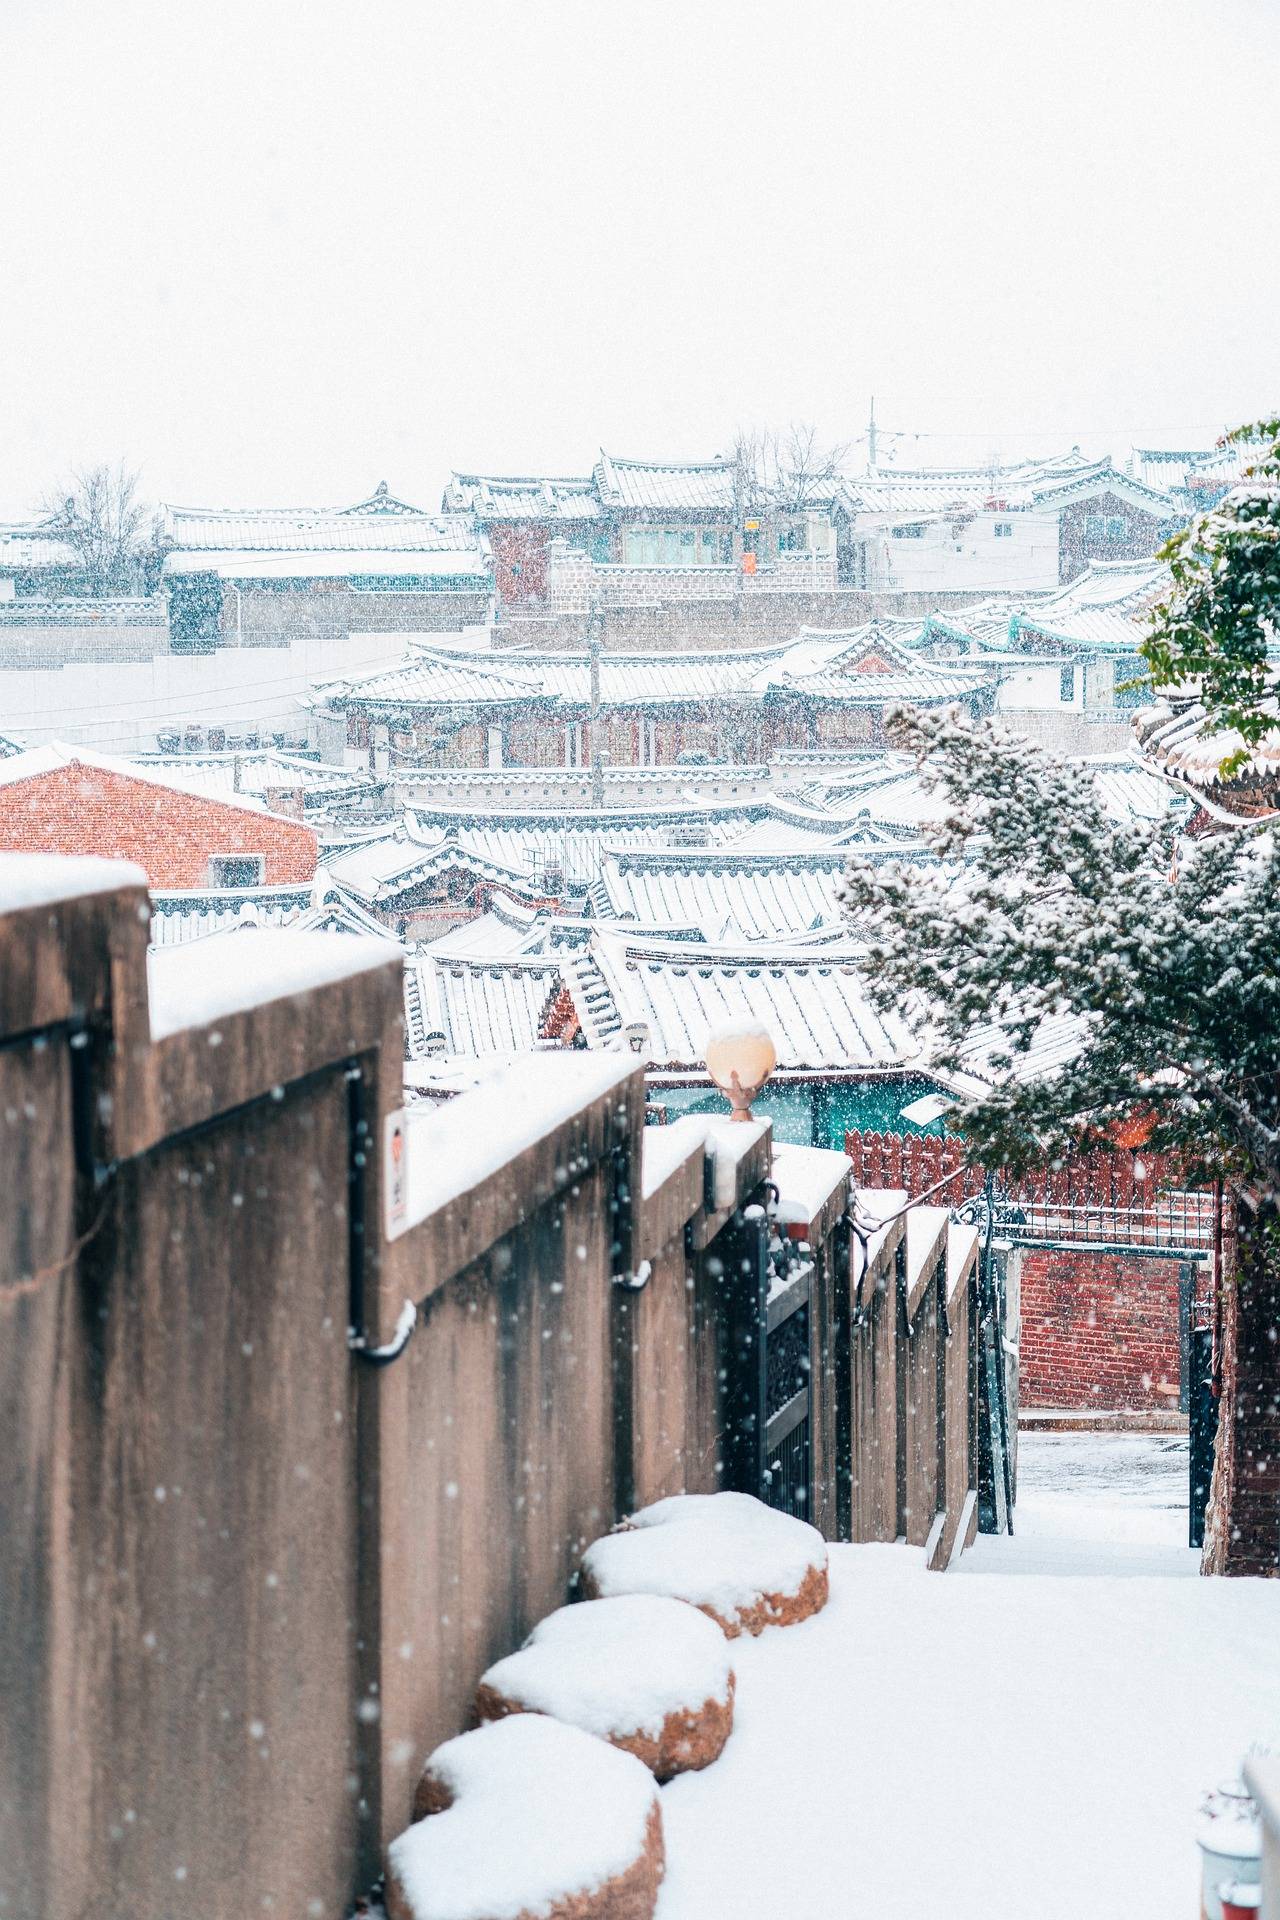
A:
x: 570, y: 787
x: 1175, y: 739
x: 441, y: 677
x: 626, y: 679
x: 490, y: 498
x: 731, y: 898
x: 384, y: 869
x: 381, y: 522
x: 32, y: 544
x: 77, y: 610
x: 868, y: 666
x: 814, y: 1004
x: 1131, y: 791
x: 179, y: 914
x: 254, y: 770
x: 464, y: 566
x: 475, y: 1007
x: 531, y: 843
x: 1029, y: 485
x: 683, y: 487
x: 1057, y: 491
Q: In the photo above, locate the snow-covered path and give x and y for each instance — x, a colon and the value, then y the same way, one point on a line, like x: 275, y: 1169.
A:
x: 979, y: 1746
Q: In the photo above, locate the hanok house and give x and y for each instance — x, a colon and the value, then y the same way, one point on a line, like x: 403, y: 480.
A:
x: 468, y: 706
x: 61, y: 799
x: 243, y: 577
x: 1017, y: 529
x: 642, y: 532
x: 37, y: 561
x: 1069, y: 664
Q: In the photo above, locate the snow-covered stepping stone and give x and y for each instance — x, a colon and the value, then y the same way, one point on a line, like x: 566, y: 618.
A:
x: 648, y: 1674
x: 739, y: 1561
x: 529, y: 1819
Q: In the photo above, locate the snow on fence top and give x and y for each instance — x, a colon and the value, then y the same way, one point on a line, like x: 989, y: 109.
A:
x: 192, y: 985
x: 456, y: 1147
x: 42, y: 879
x: 806, y: 1179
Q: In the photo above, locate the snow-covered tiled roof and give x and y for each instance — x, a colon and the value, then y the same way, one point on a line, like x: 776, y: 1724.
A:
x: 514, y: 786
x: 1027, y: 485
x: 34, y: 543
x: 532, y: 842
x: 1175, y: 739
x: 814, y: 1006
x: 1059, y: 490
x: 379, y: 523
x: 77, y: 610
x: 733, y: 900
x: 492, y: 498
x: 192, y: 913
x: 677, y: 486
x: 467, y: 565
x: 476, y: 1006
x: 443, y: 676
x: 383, y: 869
x: 868, y: 666
x: 254, y: 770
x: 626, y: 679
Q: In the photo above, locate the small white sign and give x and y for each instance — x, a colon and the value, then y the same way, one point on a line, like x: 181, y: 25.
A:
x: 395, y: 1174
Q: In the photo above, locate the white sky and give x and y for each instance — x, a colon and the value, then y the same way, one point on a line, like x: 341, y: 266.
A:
x: 278, y: 250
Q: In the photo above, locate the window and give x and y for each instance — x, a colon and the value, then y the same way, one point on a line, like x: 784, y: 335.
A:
x: 1003, y: 530
x: 1117, y: 527
x: 1095, y: 526
x: 236, y: 869
x: 1067, y: 686
x: 913, y: 532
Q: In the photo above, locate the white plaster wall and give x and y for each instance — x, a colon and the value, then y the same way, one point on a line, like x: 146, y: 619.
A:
x: 972, y: 558
x: 118, y: 705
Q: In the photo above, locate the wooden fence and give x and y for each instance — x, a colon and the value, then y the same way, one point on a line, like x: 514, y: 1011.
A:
x: 252, y: 1574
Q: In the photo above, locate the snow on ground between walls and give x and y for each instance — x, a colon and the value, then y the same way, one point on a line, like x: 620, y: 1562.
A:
x: 985, y: 1748
x: 743, y: 1563
x: 534, y: 1815
x: 649, y: 1672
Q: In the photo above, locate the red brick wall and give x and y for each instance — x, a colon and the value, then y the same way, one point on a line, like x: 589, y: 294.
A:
x: 170, y: 835
x: 1099, y: 1330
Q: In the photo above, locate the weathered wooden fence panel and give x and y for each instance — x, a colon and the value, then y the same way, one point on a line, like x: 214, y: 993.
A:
x: 250, y: 1578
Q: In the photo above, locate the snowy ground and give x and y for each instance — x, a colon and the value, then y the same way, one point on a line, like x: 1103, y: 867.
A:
x: 976, y: 1745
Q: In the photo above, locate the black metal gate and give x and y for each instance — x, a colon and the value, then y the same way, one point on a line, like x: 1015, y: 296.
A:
x: 765, y: 1426
x: 788, y: 1464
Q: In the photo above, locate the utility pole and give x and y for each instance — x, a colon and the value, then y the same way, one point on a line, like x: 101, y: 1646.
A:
x: 595, y: 621
x: 871, y: 438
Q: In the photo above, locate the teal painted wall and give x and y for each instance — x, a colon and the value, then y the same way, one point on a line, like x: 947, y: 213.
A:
x: 816, y: 1113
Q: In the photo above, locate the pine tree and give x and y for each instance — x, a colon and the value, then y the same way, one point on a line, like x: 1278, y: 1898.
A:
x: 1218, y: 629
x: 1071, y: 977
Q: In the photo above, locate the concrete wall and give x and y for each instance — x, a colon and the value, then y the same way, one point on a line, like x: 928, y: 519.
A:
x: 251, y: 1578
x: 117, y: 706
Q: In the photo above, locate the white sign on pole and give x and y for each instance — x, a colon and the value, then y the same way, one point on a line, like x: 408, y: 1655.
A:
x: 395, y: 1175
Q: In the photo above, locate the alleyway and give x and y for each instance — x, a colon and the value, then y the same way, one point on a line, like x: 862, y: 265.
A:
x: 974, y: 1745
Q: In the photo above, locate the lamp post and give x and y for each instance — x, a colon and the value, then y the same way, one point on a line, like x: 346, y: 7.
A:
x: 740, y: 1056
